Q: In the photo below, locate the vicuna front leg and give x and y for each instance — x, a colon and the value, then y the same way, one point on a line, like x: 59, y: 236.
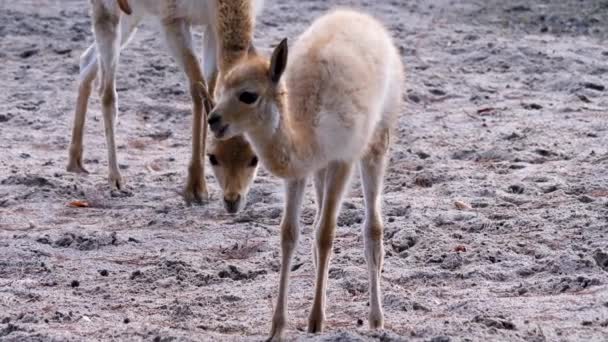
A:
x: 337, y: 177
x: 290, y: 232
x: 372, y: 168
x: 179, y: 40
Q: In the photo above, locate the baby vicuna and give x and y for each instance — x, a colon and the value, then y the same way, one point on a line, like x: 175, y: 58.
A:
x: 336, y: 107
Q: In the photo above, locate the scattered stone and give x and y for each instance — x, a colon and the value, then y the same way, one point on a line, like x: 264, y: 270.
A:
x: 423, y: 181
x: 437, y: 92
x: 460, y: 249
x: 516, y: 189
x: 513, y: 136
x: 544, y: 153
x: 495, y: 323
x: 419, y: 307
x: 594, y: 86
x: 549, y: 189
x: 414, y: 98
x: 601, y: 259
x: 460, y: 205
x: 135, y: 275
x: 586, y: 199
x: 423, y: 155
x: 584, y: 98
x: 62, y: 51
x: 235, y: 274
x: 532, y: 106
x: 28, y: 53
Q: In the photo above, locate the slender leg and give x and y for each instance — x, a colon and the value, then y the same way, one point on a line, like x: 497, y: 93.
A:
x: 290, y: 231
x: 372, y: 166
x: 319, y: 182
x: 336, y: 180
x: 107, y: 33
x: 179, y: 41
x: 88, y: 72
x: 89, y: 66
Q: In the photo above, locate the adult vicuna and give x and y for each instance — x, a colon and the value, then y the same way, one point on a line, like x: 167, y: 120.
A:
x: 341, y: 95
x: 229, y: 26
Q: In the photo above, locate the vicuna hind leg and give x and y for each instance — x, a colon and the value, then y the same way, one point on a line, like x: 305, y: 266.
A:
x: 179, y: 41
x: 372, y: 167
x: 337, y: 178
x: 107, y: 33
x: 319, y: 183
x: 89, y: 65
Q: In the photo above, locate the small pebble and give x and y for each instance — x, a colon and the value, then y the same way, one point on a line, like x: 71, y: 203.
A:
x: 516, y: 189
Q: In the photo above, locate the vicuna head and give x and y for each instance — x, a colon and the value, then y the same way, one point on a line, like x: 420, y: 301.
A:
x: 249, y: 97
x: 235, y: 166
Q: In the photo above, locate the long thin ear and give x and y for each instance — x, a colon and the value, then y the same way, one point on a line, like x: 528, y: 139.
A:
x: 124, y: 6
x: 278, y: 63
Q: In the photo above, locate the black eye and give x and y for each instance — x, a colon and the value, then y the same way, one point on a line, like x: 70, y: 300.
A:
x: 213, y: 160
x: 254, y: 162
x: 248, y: 98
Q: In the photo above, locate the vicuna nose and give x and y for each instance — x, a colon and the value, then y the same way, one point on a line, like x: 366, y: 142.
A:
x: 214, y: 121
x: 232, y: 203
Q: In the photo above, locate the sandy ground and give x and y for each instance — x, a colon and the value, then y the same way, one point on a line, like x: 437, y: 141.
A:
x: 507, y: 113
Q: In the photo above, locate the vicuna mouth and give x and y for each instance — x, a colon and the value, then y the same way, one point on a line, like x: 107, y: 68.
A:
x: 232, y: 207
x: 220, y: 133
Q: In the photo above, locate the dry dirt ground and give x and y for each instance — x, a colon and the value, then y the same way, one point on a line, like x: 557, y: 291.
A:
x: 496, y: 200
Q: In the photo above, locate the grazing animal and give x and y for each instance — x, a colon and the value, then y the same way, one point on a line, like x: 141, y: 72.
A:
x: 328, y: 107
x: 228, y: 36
x: 234, y: 165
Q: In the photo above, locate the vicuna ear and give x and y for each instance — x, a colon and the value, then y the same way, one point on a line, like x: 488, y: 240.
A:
x: 278, y: 61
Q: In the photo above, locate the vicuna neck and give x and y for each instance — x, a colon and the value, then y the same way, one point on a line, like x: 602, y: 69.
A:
x: 284, y: 146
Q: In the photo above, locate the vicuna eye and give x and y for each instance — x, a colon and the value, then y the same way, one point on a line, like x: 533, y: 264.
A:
x: 213, y: 160
x: 248, y: 98
x: 254, y: 162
